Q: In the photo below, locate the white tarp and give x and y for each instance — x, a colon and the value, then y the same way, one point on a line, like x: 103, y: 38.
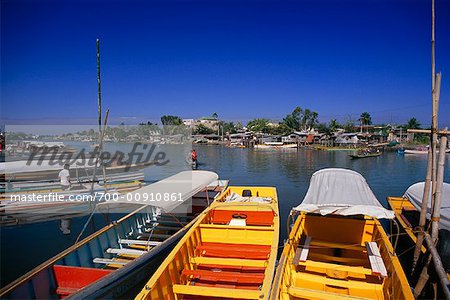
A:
x: 170, y: 192
x: 414, y: 194
x: 342, y: 192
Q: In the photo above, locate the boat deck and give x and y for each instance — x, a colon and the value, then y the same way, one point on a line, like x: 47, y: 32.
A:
x: 229, y: 254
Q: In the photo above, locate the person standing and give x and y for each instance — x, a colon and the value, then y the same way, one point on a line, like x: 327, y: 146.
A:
x: 64, y: 177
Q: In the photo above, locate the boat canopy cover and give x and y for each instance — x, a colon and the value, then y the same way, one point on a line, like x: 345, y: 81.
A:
x: 170, y: 192
x: 415, y: 193
x: 342, y: 192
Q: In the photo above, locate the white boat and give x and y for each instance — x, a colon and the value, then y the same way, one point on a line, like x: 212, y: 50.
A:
x: 421, y: 151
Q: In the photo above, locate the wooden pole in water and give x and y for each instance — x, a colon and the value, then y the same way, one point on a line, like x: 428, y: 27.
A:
x: 99, y: 88
x: 431, y: 166
x: 423, y: 212
x: 442, y: 274
x: 439, y: 183
x: 434, y: 118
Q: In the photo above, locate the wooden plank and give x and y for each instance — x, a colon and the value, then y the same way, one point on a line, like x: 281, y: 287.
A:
x: 298, y: 292
x: 125, y: 251
x: 301, y: 254
x: 376, y: 262
x: 331, y: 266
x: 108, y: 261
x: 228, y: 262
x: 216, y: 292
x: 139, y: 242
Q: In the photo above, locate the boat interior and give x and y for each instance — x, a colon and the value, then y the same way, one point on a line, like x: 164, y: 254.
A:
x: 336, y: 257
x: 229, y: 253
x: 106, y: 250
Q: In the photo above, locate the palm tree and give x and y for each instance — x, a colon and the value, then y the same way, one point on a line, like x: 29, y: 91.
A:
x: 412, y: 123
x: 365, y: 119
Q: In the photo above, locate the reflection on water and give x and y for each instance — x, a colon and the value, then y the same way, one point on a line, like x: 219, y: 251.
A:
x: 288, y: 170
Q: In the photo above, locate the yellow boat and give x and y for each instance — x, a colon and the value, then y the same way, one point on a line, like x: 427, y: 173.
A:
x: 337, y: 248
x: 229, y: 253
x: 407, y: 215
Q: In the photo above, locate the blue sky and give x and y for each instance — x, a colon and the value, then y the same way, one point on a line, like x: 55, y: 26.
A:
x: 241, y: 59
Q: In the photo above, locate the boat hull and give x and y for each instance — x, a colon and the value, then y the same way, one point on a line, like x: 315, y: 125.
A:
x: 335, y: 264
x: 229, y: 252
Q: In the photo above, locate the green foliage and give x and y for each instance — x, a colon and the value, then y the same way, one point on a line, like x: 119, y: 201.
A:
x: 301, y: 119
x: 259, y: 125
x: 202, y: 129
x: 333, y: 125
x: 323, y: 128
x: 365, y: 118
x: 412, y: 123
x: 171, y: 120
x: 228, y: 127
x: 349, y: 126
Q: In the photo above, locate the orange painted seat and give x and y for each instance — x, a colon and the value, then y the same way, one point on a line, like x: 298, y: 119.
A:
x: 242, y: 251
x: 224, y: 276
x: 252, y: 218
x: 70, y: 279
x: 241, y: 269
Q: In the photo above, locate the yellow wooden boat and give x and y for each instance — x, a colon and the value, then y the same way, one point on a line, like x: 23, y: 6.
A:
x: 229, y: 253
x: 337, y: 248
x: 407, y: 215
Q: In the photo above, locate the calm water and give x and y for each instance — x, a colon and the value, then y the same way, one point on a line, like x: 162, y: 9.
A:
x: 289, y: 171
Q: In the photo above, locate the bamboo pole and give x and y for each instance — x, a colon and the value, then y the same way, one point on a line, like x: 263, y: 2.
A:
x: 438, y: 266
x: 435, y: 107
x: 423, y: 212
x: 99, y: 89
x: 427, y: 131
x: 439, y: 183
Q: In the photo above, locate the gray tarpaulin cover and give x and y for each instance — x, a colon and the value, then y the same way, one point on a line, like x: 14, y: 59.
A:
x: 182, y: 186
x: 414, y: 194
x: 342, y: 192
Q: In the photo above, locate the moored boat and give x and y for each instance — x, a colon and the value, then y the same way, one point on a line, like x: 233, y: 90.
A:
x: 229, y: 252
x: 407, y: 213
x: 365, y: 154
x: 110, y: 262
x: 337, y: 248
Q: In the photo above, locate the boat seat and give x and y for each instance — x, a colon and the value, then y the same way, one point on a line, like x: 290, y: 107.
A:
x: 229, y: 262
x: 224, y: 276
x: 376, y: 261
x: 337, y: 271
x: 70, y: 279
x: 108, y: 261
x: 220, y: 292
x: 139, y: 242
x: 252, y: 218
x: 244, y: 251
x: 301, y: 254
x: 325, y: 244
x: 304, y: 293
x: 131, y: 252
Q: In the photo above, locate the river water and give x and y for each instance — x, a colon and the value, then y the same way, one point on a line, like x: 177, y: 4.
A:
x: 289, y: 170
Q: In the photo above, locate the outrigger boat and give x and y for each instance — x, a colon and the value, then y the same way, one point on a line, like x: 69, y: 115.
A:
x: 365, y: 154
x: 229, y: 252
x: 117, y: 258
x: 47, y: 170
x: 407, y: 213
x: 337, y: 248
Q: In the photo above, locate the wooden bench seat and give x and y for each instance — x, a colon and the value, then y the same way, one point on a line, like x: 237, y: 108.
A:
x: 224, y: 276
x: 70, y: 279
x: 252, y: 218
x: 244, y: 251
